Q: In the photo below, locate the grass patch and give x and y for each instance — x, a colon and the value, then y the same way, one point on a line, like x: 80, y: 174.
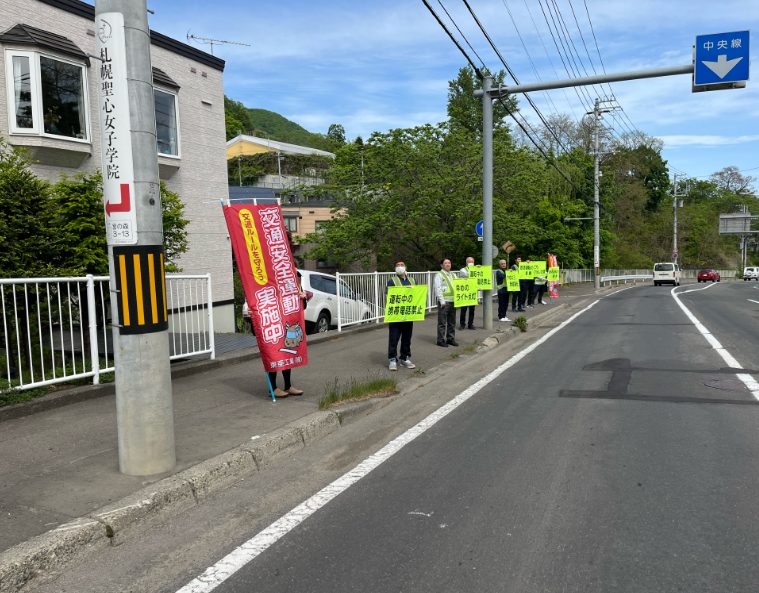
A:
x: 521, y: 323
x: 357, y: 389
x: 9, y: 397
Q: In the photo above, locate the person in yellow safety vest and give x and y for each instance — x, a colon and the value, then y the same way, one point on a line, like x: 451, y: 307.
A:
x: 446, y: 314
x: 503, y: 294
x: 400, y: 330
x: 464, y: 273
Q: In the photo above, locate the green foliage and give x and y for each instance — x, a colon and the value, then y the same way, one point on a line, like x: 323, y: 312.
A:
x: 267, y: 124
x: 59, y: 230
x: 357, y: 389
x: 520, y: 323
x: 246, y: 170
x: 26, y: 230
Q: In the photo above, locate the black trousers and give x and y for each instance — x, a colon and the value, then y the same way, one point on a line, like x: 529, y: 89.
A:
x: 399, y: 330
x: 503, y: 303
x: 531, y: 292
x: 285, y: 376
x: 540, y: 290
x: 515, y: 300
x: 446, y: 323
x: 524, y: 289
x: 462, y: 315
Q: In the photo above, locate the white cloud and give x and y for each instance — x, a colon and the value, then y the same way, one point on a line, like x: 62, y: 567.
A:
x: 677, y: 140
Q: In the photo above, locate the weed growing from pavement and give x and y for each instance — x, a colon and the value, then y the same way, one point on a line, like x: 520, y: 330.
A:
x: 357, y: 389
x: 521, y: 323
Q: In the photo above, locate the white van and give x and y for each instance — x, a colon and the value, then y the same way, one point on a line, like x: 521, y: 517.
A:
x: 666, y: 273
x: 751, y: 273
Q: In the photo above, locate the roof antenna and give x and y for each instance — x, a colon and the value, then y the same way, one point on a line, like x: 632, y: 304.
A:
x: 211, y: 42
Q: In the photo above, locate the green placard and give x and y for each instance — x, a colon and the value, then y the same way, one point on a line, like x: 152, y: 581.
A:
x: 483, y: 275
x: 464, y: 292
x: 553, y: 274
x: 540, y: 268
x: 525, y: 270
x: 512, y: 281
x: 405, y: 303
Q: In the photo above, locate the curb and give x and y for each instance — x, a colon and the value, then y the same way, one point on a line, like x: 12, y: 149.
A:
x: 25, y: 561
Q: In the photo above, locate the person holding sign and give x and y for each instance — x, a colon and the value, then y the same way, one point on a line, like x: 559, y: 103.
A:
x: 503, y: 294
x: 541, y: 283
x: 399, y: 330
x: 518, y: 298
x: 446, y: 313
x: 464, y: 273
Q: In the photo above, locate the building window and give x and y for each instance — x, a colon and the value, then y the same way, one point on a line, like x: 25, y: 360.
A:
x: 291, y: 223
x: 167, y: 130
x: 47, y: 96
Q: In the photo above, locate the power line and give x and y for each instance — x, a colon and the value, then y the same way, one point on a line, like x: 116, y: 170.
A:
x: 513, y: 75
x: 456, y: 43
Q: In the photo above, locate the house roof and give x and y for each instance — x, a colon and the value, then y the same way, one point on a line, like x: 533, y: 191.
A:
x: 87, y: 11
x: 275, y: 146
x: 22, y: 34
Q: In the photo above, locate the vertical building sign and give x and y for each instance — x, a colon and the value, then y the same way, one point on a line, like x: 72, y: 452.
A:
x: 116, y: 144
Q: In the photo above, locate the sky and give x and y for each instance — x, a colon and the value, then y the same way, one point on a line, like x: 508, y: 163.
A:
x: 374, y: 65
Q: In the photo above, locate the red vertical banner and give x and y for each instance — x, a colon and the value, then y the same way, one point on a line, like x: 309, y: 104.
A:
x: 270, y: 281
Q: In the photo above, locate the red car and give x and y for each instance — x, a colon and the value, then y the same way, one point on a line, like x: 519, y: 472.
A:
x: 706, y: 275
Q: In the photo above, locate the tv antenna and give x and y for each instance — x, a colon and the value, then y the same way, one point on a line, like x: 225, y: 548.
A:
x: 211, y: 42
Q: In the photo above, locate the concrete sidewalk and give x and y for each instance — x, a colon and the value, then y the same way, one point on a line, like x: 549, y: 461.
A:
x: 59, y: 480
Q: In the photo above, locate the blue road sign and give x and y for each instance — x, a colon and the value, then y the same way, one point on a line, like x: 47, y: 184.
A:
x: 721, y: 58
x: 478, y: 228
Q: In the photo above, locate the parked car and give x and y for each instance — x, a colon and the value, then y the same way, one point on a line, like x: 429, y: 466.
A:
x: 708, y: 275
x: 321, y: 312
x: 321, y: 298
x: 751, y: 273
x: 666, y: 273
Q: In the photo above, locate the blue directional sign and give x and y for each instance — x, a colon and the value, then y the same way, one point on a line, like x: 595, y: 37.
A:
x: 721, y: 58
x: 478, y: 228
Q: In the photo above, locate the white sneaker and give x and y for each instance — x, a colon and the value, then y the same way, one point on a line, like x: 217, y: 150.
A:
x: 408, y: 364
x: 542, y: 302
x: 393, y: 366
x: 504, y: 319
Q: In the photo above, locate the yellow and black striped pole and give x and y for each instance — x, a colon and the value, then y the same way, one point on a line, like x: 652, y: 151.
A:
x: 141, y: 288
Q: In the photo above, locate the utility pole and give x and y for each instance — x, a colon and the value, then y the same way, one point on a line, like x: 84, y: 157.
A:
x: 487, y: 194
x: 597, y: 113
x: 134, y: 231
x: 675, y: 252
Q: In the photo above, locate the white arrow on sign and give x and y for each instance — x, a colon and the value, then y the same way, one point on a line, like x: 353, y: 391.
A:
x: 722, y: 66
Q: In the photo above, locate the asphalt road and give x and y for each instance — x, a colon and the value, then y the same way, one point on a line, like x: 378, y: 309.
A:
x: 619, y: 455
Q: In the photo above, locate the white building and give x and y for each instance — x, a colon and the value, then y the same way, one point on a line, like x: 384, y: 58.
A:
x: 48, y: 104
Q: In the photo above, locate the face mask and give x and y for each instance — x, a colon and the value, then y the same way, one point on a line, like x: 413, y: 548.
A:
x: 400, y: 270
x: 469, y: 264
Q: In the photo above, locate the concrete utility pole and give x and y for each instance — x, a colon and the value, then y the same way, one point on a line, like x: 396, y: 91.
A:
x: 675, y: 252
x: 487, y: 194
x: 134, y: 230
x: 597, y: 113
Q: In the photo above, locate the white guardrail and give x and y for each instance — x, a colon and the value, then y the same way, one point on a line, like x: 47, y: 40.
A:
x: 59, y: 329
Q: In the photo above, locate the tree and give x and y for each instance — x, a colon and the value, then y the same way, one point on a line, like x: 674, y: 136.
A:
x: 25, y: 229
x: 732, y: 180
x: 465, y: 109
x: 336, y: 133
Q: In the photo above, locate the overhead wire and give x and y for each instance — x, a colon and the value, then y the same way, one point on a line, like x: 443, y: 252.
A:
x: 513, y: 75
x: 550, y: 160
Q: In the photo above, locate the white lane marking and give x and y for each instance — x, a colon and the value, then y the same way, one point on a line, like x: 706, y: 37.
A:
x: 214, y: 575
x: 747, y: 379
x: 753, y: 301
x: 695, y: 289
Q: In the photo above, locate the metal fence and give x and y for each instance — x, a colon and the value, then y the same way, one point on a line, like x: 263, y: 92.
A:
x: 59, y: 329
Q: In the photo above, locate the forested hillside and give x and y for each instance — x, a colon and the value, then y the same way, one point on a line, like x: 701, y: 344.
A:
x: 267, y: 124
